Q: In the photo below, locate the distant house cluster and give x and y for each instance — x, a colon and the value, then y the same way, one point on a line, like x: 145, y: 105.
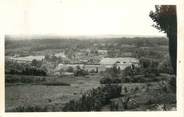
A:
x: 88, y: 60
x: 61, y: 54
x: 26, y: 59
x: 105, y: 63
x: 121, y: 62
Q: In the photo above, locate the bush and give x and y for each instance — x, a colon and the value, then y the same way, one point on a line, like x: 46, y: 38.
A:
x: 70, y: 69
x: 80, y: 72
x: 117, y: 80
x: 92, y: 71
x: 94, y: 99
x: 149, y: 67
x: 34, y: 71
x: 56, y: 84
x: 165, y: 67
x: 24, y: 69
x: 172, y: 83
x: 128, y: 72
x: 105, y: 81
x: 113, y: 72
x: 23, y: 79
x: 30, y: 109
x: 139, y: 79
x: 110, y: 80
x: 36, y: 63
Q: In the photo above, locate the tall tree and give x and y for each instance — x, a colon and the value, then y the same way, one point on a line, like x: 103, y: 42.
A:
x: 165, y: 20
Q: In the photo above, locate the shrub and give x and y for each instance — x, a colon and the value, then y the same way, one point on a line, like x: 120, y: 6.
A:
x: 93, y: 71
x: 34, y: 108
x: 34, y: 71
x: 125, y: 89
x: 70, y: 69
x: 113, y: 72
x: 23, y: 79
x: 56, y: 84
x: 139, y: 79
x: 25, y: 68
x: 110, y: 80
x: 105, y: 81
x: 165, y: 67
x: 80, y: 72
x: 128, y: 71
x: 116, y: 80
x: 150, y: 67
x: 172, y: 83
x: 36, y: 63
x: 94, y: 99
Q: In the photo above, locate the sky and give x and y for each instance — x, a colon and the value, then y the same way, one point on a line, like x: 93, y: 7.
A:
x: 79, y: 17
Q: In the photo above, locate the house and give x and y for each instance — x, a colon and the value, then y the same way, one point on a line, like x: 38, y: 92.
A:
x: 102, y: 52
x: 66, y: 66
x: 27, y: 59
x: 121, y: 62
x: 105, y: 63
x: 61, y: 55
x: 126, y: 54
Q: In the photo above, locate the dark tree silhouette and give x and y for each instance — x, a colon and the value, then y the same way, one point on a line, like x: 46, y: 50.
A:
x: 165, y: 18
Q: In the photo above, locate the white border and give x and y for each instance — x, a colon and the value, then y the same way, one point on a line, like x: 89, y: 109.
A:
x: 180, y: 80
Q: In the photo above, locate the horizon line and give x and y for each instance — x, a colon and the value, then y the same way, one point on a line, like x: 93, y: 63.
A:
x: 41, y: 36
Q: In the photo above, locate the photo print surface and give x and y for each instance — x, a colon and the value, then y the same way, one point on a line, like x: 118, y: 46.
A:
x: 83, y: 57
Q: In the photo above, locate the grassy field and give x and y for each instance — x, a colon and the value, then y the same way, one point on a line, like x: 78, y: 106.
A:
x: 40, y: 94
x: 148, y: 96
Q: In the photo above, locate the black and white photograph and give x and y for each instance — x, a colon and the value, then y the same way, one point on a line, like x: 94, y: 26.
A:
x: 91, y: 56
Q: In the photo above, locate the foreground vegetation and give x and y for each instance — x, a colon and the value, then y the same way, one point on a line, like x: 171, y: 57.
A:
x: 94, y: 99
x: 114, y: 97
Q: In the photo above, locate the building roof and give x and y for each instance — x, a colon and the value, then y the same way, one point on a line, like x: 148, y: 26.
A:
x: 61, y: 54
x: 28, y: 58
x: 119, y: 60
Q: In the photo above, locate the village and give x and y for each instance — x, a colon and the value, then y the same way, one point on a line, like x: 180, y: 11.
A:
x: 58, y: 64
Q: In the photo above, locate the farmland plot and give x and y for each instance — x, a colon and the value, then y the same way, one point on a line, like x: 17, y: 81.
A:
x: 29, y: 94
